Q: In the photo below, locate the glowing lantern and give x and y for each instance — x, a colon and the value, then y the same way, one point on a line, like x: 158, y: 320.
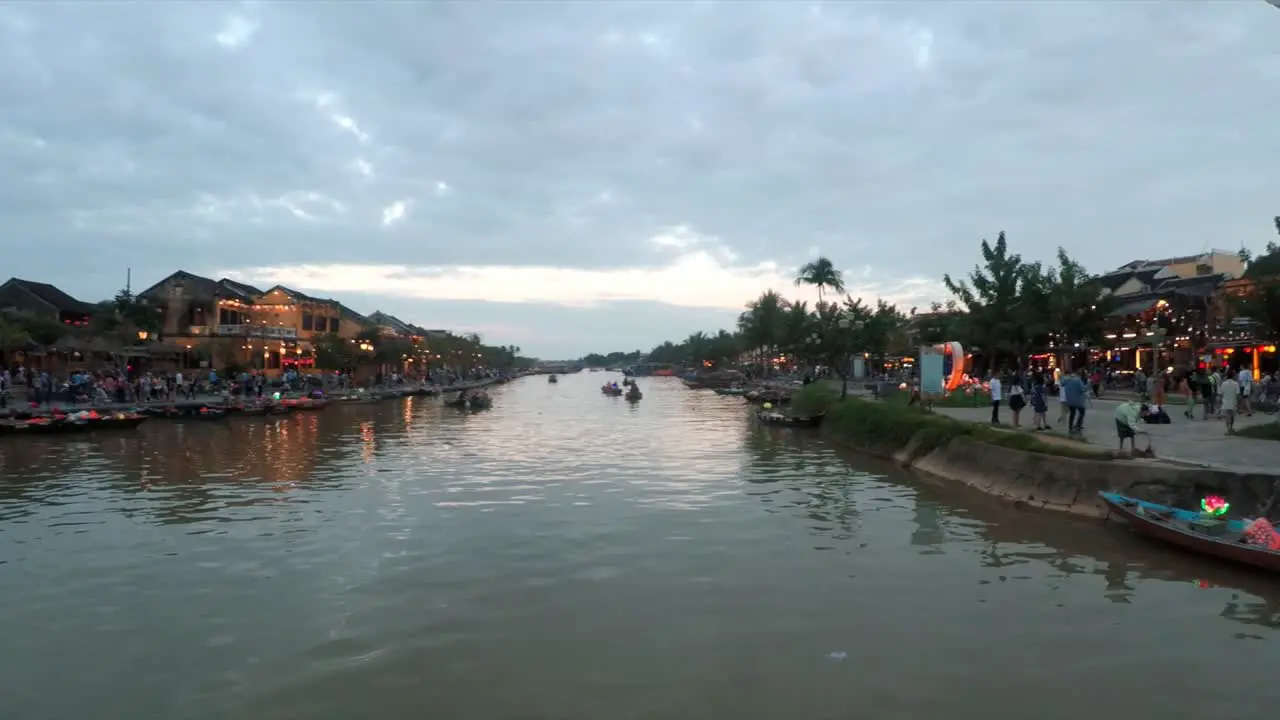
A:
x: 1214, y: 505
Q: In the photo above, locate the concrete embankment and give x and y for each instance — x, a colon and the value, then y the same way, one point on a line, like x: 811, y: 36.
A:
x: 1028, y: 470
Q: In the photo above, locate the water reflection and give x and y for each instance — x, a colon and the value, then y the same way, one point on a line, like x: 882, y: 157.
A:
x: 1015, y: 544
x: 378, y: 559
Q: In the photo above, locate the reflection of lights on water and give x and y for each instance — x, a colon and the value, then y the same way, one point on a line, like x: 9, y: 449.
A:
x: 366, y: 438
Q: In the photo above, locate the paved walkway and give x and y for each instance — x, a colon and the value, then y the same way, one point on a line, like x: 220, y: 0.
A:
x: 1195, y: 442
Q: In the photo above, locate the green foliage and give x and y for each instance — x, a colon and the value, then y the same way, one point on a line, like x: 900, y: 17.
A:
x: 889, y: 427
x: 822, y: 274
x: 333, y: 352
x: 41, y: 331
x: 813, y: 399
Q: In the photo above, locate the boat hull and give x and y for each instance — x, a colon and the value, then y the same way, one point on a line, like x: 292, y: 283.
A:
x: 1178, y: 527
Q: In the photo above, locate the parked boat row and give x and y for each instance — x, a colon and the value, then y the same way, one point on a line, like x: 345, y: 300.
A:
x: 72, y: 423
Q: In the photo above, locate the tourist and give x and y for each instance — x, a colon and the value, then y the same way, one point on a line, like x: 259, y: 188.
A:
x: 1208, y: 387
x: 1076, y: 395
x: 1095, y: 382
x: 1230, y: 400
x: 1187, y: 390
x: 1062, y: 400
x: 1245, y: 378
x: 1016, y: 401
x: 1039, y: 404
x: 994, y: 386
x: 1127, y: 415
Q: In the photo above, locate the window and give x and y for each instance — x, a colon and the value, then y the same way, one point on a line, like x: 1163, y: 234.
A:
x: 333, y: 325
x: 308, y: 320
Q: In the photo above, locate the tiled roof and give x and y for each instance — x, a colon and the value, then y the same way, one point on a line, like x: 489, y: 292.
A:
x: 53, y: 296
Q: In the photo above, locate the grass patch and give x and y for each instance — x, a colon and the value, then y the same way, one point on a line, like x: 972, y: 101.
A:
x: 1265, y: 431
x: 890, y: 425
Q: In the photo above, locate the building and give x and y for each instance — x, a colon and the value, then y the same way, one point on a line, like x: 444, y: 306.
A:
x: 392, y: 326
x: 1164, y: 311
x: 231, y: 322
x: 43, y: 301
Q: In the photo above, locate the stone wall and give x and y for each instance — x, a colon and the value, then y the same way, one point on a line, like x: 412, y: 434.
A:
x: 1072, y: 485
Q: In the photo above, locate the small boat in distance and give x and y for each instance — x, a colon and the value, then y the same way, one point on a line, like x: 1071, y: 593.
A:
x: 634, y: 394
x: 612, y: 390
x: 553, y: 379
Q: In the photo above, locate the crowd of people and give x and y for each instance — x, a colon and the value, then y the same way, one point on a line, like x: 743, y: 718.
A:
x: 106, y: 386
x: 1221, y: 393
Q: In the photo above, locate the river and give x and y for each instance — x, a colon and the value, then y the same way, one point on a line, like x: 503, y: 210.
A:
x: 568, y: 556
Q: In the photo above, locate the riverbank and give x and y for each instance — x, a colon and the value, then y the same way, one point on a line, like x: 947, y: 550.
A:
x: 1038, y: 470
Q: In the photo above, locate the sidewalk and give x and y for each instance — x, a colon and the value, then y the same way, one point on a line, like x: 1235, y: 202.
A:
x: 1193, y: 442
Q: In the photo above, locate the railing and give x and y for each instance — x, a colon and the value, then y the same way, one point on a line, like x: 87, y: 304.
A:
x: 288, y: 333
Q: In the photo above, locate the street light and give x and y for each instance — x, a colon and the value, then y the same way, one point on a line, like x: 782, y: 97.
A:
x: 143, y: 334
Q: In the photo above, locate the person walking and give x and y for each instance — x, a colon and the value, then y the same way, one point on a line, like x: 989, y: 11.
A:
x: 1076, y: 393
x: 1039, y: 404
x: 996, y: 395
x: 1016, y: 401
x: 1245, y: 379
x: 1230, y: 394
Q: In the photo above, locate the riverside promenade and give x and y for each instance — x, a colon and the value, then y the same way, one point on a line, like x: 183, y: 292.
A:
x: 1197, y: 442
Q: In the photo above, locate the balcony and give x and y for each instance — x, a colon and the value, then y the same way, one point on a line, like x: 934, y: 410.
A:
x: 281, y: 333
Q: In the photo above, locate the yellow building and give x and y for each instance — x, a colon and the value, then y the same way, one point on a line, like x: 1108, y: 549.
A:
x: 234, y: 323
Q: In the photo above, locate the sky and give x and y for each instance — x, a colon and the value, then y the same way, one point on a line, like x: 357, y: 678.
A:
x: 576, y: 177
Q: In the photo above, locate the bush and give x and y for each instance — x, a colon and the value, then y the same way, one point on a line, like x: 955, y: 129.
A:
x: 813, y: 399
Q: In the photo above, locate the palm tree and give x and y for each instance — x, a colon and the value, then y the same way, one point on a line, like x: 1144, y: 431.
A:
x: 822, y: 274
x: 762, y: 325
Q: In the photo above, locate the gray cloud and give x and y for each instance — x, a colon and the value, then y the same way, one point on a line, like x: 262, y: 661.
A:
x: 207, y: 135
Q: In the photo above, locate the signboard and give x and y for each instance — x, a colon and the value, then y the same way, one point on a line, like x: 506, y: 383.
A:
x: 931, y: 371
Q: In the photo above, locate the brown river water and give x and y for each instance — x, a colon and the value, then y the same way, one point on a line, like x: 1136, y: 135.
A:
x: 567, y: 556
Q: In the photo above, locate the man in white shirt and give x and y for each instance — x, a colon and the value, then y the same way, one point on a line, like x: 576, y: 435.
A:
x: 1230, y: 400
x: 995, y: 399
x: 1245, y: 378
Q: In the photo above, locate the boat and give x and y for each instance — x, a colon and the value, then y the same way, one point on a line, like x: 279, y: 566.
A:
x: 479, y: 402
x: 801, y: 421
x: 634, y: 394
x: 733, y: 391
x: 458, y: 402
x: 304, y: 404
x: 611, y: 390
x: 553, y: 379
x: 79, y: 422
x: 1223, y: 538
x: 628, y: 382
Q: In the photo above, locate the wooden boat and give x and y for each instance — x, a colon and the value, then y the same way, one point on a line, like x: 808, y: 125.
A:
x: 776, y: 418
x: 479, y: 402
x: 305, y: 404
x: 634, y: 395
x: 72, y: 424
x: 611, y: 391
x: 553, y: 379
x: 1218, y: 537
x: 459, y: 402
x: 734, y: 391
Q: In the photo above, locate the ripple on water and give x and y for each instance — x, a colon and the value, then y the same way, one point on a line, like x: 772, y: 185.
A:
x: 569, y: 555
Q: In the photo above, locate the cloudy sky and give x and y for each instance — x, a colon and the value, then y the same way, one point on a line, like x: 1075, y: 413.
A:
x: 570, y: 177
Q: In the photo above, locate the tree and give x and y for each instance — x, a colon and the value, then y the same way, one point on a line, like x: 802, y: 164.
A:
x: 12, y: 338
x: 822, y: 274
x: 990, y: 297
x: 333, y: 352
x: 761, y: 326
